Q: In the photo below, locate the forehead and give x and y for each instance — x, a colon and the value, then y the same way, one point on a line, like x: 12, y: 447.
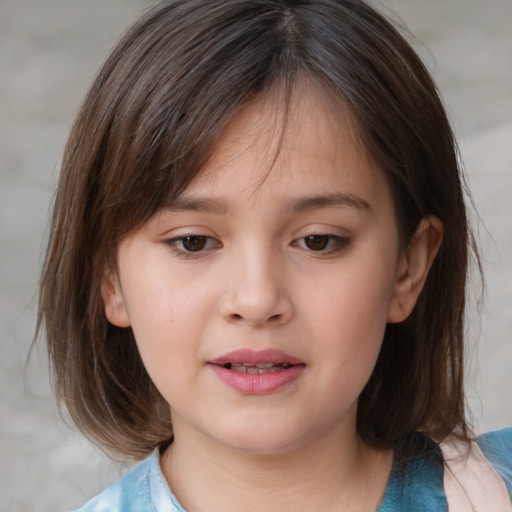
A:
x: 289, y: 146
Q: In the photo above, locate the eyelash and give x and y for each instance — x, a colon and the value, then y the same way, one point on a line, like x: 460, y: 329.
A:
x: 333, y: 244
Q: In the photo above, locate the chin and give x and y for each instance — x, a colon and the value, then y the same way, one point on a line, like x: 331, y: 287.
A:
x: 267, y: 440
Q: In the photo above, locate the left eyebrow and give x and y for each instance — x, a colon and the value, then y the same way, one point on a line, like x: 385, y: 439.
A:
x: 302, y: 204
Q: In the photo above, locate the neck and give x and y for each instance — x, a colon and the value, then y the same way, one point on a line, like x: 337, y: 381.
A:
x: 335, y: 472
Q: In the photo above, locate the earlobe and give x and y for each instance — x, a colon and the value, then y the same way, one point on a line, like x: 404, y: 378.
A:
x: 414, y: 266
x: 113, y: 300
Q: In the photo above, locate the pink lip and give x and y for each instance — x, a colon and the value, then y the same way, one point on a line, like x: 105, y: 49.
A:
x: 257, y: 383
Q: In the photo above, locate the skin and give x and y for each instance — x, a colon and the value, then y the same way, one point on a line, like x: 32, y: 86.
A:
x: 258, y: 282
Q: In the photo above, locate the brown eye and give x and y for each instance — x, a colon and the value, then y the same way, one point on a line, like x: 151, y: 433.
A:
x: 194, y: 243
x: 324, y: 244
x: 317, y: 242
x: 193, y: 246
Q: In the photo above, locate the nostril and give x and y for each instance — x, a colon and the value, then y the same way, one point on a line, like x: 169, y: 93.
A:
x: 273, y: 318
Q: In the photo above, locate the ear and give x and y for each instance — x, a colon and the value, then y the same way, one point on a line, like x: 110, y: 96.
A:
x: 113, y: 299
x: 413, y: 267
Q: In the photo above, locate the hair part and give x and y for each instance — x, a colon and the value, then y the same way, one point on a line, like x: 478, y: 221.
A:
x: 149, y: 124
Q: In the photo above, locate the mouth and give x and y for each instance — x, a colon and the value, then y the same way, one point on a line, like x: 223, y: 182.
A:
x: 257, y: 372
x: 257, y: 368
x: 257, y: 361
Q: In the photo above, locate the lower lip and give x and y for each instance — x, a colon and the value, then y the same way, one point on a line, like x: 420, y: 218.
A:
x: 258, y: 383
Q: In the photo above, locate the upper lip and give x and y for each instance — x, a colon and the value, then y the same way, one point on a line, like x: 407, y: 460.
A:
x: 251, y: 357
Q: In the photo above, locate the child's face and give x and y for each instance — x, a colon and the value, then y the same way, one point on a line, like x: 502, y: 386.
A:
x: 289, y: 261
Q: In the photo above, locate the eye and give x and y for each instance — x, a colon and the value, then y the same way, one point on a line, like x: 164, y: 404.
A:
x: 323, y: 243
x: 189, y: 244
x: 317, y: 242
x: 194, y: 243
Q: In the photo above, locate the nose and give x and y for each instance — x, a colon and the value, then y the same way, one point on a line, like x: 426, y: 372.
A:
x: 256, y: 294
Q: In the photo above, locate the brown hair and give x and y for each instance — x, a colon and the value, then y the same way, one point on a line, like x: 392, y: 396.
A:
x: 148, y: 125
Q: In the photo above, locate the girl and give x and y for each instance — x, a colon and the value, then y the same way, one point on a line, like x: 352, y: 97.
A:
x: 255, y: 278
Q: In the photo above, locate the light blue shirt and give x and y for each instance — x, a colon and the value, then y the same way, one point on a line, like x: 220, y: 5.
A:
x: 419, y: 489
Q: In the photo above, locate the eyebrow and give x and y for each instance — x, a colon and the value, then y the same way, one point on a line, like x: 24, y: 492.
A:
x: 300, y: 204
x: 329, y: 200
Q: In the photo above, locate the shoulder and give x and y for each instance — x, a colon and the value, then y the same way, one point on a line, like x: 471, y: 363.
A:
x: 143, y: 488
x: 454, y: 477
x: 497, y: 448
x: 479, y: 477
x: 417, y: 487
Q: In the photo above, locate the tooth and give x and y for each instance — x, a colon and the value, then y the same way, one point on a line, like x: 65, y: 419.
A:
x: 257, y: 368
x: 238, y: 368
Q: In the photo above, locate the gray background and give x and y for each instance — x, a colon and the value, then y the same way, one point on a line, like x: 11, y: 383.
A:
x: 49, y: 51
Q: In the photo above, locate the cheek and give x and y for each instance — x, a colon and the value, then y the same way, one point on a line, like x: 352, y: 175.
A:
x: 166, y: 325
x: 356, y: 300
x: 350, y: 315
x: 160, y: 301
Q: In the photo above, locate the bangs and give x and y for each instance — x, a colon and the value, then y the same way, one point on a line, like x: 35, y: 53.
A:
x: 164, y: 105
